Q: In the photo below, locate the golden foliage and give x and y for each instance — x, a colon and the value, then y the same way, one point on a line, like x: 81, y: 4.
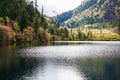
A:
x: 16, y: 26
x: 43, y: 36
x: 28, y: 33
x: 7, y: 34
x: 1, y: 20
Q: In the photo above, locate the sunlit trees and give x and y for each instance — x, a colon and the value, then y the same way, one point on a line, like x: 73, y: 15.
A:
x: 29, y: 34
x: 52, y: 31
x: 64, y: 33
x: 42, y: 35
x: 7, y: 20
x: 16, y: 27
x: 7, y: 35
x: 89, y: 35
x: 26, y: 35
x: 2, y: 21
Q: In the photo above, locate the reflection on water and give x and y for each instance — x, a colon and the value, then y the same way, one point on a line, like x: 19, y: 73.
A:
x: 96, y: 61
x: 100, y: 68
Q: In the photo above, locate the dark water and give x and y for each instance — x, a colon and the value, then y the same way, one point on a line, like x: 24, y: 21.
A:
x: 93, y: 61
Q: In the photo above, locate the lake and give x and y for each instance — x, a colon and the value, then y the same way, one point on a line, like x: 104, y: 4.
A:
x: 65, y: 60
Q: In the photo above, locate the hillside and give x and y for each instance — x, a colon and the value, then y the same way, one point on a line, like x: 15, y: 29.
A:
x: 92, y: 11
x: 21, y: 22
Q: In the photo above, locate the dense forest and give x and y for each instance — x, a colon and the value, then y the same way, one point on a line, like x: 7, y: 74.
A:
x: 98, y: 18
x: 92, y: 11
x: 20, y: 21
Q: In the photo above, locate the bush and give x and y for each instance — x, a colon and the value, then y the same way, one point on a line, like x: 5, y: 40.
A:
x: 28, y: 34
x: 43, y: 36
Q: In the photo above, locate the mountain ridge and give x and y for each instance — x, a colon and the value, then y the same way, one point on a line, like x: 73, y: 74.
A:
x: 91, y: 11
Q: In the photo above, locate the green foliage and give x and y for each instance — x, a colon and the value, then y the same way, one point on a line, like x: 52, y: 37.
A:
x: 31, y: 12
x: 16, y: 27
x: 29, y: 25
x: 91, y: 12
x: 10, y: 8
x: 65, y: 16
x: 85, y: 20
x: 17, y: 10
x: 116, y: 23
x: 72, y: 24
x: 28, y: 34
x: 36, y: 22
x: 42, y: 35
x: 52, y: 30
x: 2, y: 21
x: 89, y: 35
x: 81, y: 35
x: 22, y: 18
x: 64, y: 33
x: 19, y: 14
x: 84, y: 6
x: 7, y: 19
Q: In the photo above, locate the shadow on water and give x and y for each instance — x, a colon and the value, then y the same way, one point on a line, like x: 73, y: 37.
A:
x: 14, y: 67
x: 73, y: 61
x: 100, y: 68
x: 69, y: 42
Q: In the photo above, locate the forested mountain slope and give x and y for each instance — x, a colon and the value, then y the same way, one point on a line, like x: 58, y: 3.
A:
x: 92, y: 11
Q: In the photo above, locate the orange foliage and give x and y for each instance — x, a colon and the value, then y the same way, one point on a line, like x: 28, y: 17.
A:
x: 6, y: 32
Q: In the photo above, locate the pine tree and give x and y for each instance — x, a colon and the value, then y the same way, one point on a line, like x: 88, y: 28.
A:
x: 36, y: 22
x: 23, y: 18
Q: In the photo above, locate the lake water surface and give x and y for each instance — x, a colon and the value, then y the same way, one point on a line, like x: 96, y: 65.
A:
x: 80, y: 60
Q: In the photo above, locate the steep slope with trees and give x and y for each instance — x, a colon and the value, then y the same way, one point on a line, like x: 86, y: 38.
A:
x: 92, y: 11
x: 21, y: 22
